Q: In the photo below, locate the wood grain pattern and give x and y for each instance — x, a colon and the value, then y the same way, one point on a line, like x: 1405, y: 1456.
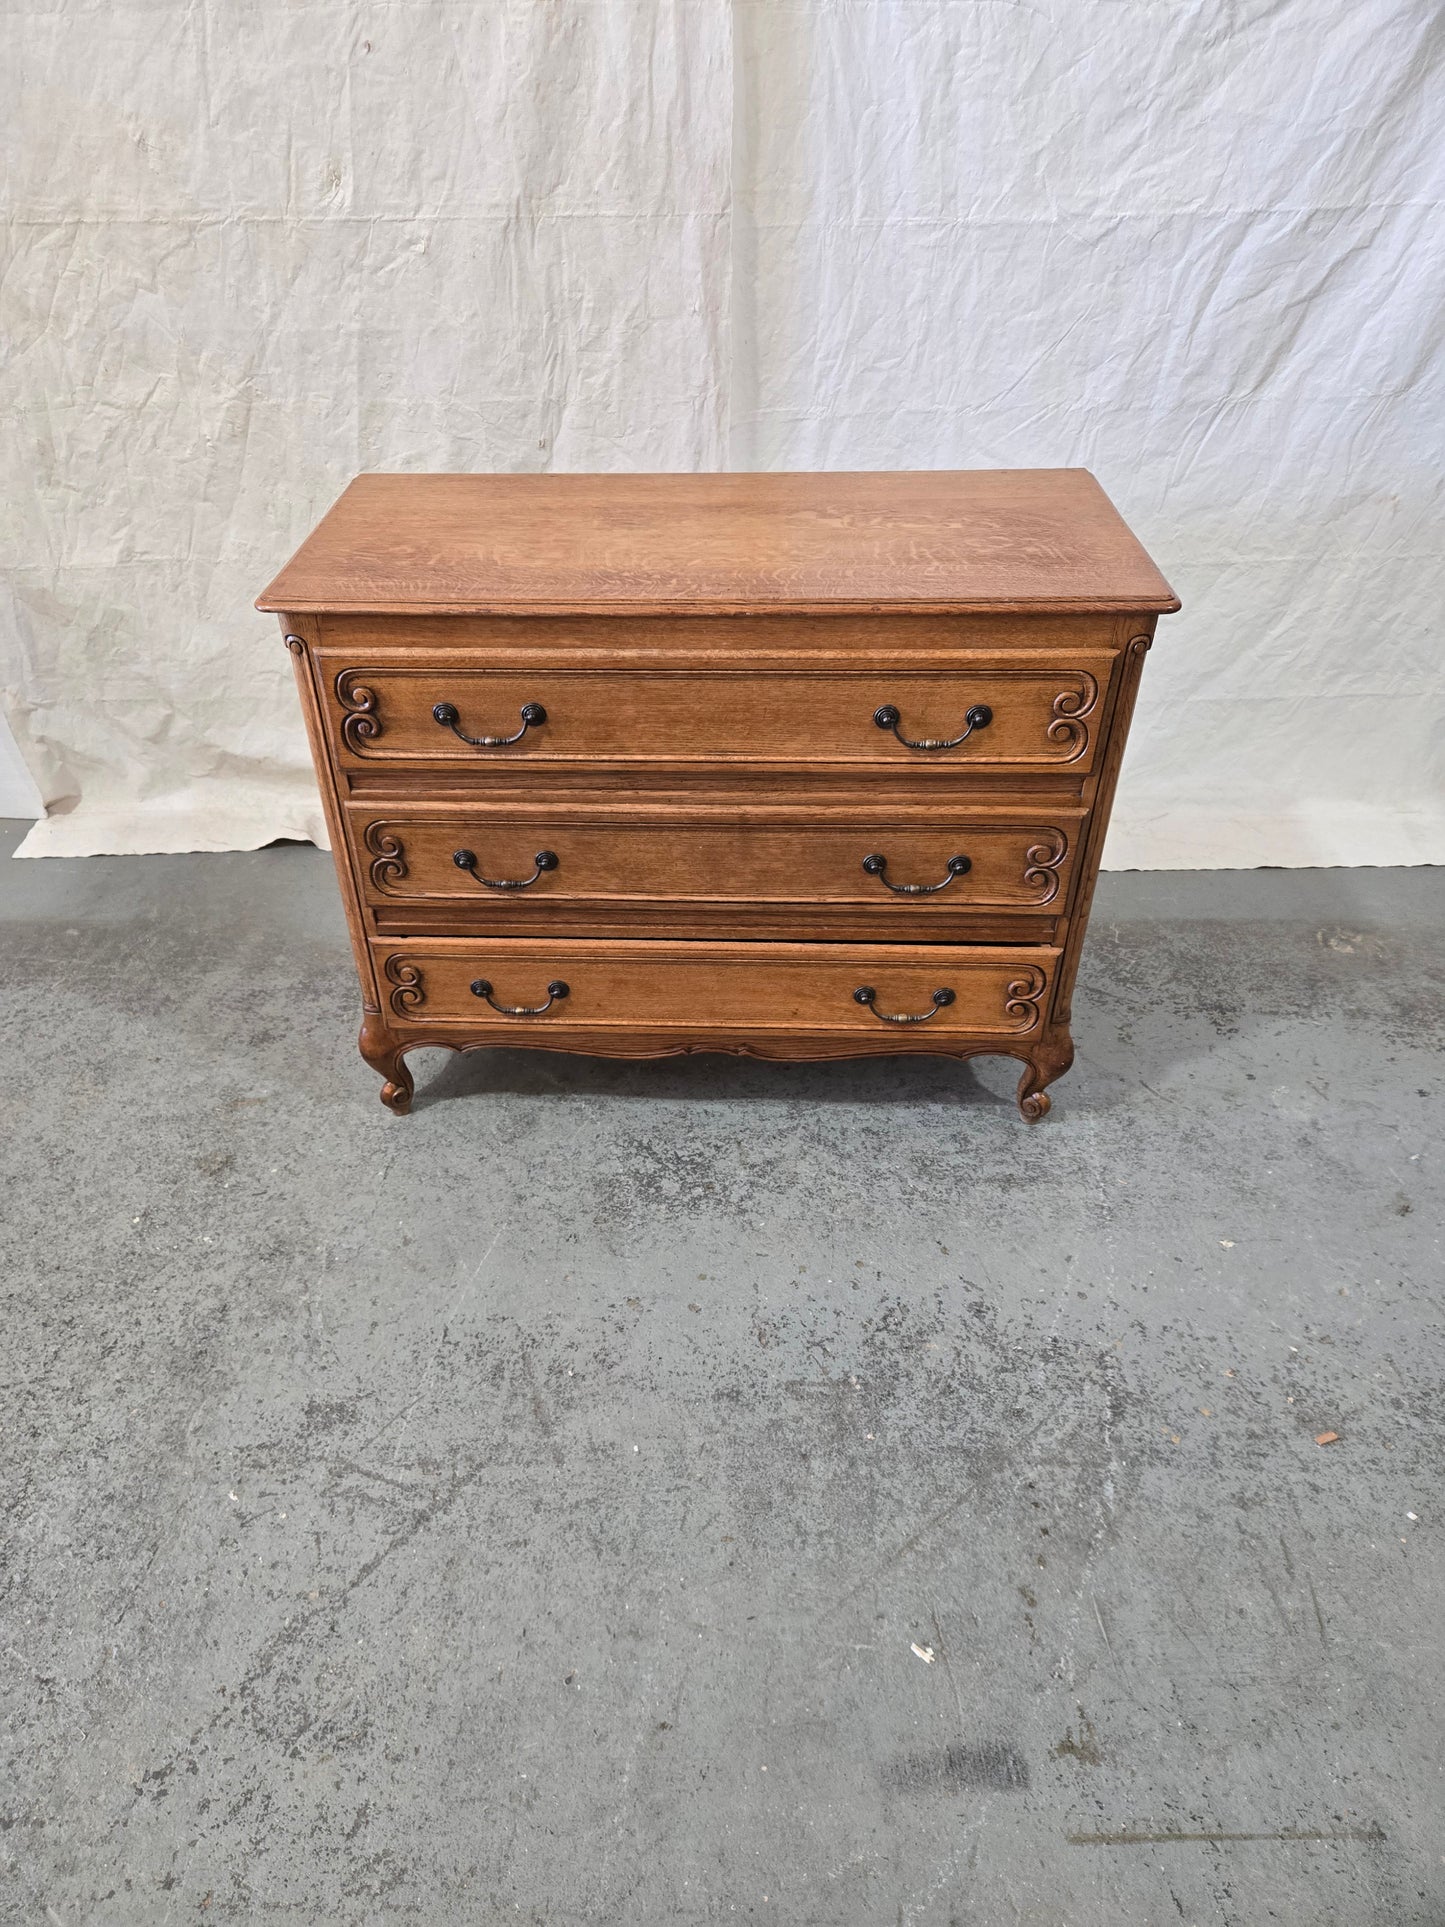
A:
x: 763, y: 641
x: 703, y: 922
x: 717, y: 853
x: 709, y: 775
x: 948, y: 782
x: 752, y: 989
x: 985, y: 540
x: 1042, y: 715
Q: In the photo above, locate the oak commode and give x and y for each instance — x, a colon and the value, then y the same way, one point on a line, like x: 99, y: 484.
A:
x: 800, y: 766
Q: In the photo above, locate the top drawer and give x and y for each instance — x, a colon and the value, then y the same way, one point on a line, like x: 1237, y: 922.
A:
x: 1021, y: 710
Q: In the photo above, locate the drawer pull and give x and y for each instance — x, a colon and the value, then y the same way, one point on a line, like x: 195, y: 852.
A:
x: 979, y: 717
x: 877, y: 866
x: 467, y: 860
x: 449, y: 716
x: 865, y: 994
x: 555, y: 992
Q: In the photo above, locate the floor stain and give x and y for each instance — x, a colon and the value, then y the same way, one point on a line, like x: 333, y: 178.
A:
x: 1085, y: 1749
x: 1372, y: 1835
x: 990, y: 1766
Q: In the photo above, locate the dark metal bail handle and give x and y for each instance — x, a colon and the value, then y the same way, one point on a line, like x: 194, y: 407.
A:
x: 876, y: 866
x: 556, y: 991
x: 467, y: 860
x: 449, y: 716
x: 865, y: 994
x: 978, y: 717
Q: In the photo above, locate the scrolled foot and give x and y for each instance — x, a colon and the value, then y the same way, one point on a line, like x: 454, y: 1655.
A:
x: 1051, y: 1059
x: 387, y: 1056
x: 397, y: 1096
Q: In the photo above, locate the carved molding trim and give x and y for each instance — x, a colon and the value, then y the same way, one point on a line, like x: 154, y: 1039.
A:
x: 361, y: 724
x: 389, y: 854
x: 410, y: 990
x: 1023, y: 995
x: 801, y: 1050
x: 1071, y: 706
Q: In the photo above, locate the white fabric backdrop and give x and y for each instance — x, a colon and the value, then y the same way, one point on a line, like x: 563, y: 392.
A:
x: 1196, y: 248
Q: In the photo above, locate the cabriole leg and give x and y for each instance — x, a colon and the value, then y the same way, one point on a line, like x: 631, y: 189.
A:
x: 386, y: 1055
x: 1050, y: 1058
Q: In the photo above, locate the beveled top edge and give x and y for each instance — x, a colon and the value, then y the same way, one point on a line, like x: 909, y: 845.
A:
x: 939, y: 542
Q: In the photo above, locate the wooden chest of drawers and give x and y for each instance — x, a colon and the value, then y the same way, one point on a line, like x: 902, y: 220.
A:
x: 795, y: 765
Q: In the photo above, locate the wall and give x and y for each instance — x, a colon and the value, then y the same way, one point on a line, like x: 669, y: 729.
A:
x: 1195, y: 248
x: 257, y: 247
x: 19, y: 792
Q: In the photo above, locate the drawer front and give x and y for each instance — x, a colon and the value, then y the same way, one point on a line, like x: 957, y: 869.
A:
x: 1029, y: 711
x: 894, y: 861
x: 526, y: 990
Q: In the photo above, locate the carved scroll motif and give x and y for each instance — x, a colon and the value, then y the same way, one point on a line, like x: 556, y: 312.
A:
x: 361, y: 724
x: 409, y: 991
x: 1071, y: 706
x: 389, y: 854
x: 1041, y: 861
x: 1022, y: 998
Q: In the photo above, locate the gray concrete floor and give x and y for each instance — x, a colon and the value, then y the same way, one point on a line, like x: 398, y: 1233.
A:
x: 534, y: 1510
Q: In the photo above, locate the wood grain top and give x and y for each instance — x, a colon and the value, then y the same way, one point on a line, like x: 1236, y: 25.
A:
x: 940, y: 542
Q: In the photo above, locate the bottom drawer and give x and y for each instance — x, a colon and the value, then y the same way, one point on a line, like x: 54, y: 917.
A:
x: 528, y: 988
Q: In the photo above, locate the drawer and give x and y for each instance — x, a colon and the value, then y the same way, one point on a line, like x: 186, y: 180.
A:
x: 525, y: 990
x: 900, y: 861
x: 987, y: 711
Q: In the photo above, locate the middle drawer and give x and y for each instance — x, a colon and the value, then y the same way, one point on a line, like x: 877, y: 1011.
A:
x: 899, y: 871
